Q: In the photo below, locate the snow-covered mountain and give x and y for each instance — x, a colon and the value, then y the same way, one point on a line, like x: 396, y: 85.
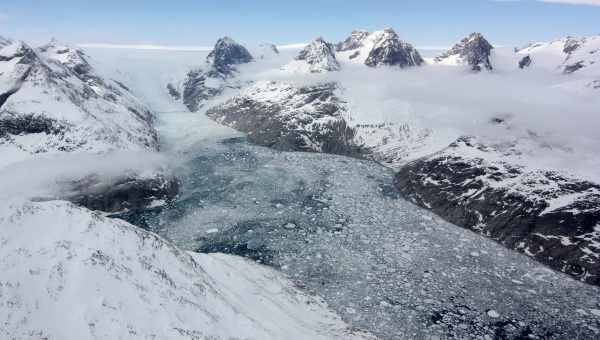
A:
x: 317, y: 57
x: 337, y: 113
x: 68, y: 273
x: 498, y: 191
x: 218, y: 74
x: 380, y: 48
x: 53, y: 101
x: 473, y: 51
x: 353, y: 42
x: 287, y: 117
x: 579, y: 56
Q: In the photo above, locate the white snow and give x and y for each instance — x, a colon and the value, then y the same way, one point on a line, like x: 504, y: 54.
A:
x: 68, y: 273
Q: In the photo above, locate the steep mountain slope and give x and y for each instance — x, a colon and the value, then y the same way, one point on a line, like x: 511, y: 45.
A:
x: 68, y: 273
x: 287, y: 117
x: 353, y: 42
x: 389, y: 50
x: 493, y: 189
x: 381, y: 48
x: 473, y: 51
x: 317, y: 57
x: 218, y: 74
x: 53, y: 101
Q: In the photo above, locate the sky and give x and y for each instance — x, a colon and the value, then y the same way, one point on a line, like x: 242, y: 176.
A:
x: 425, y: 23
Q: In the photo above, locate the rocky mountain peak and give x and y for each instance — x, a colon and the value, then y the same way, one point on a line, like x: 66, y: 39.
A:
x: 320, y: 56
x: 473, y: 50
x: 226, y: 54
x: 10, y: 49
x: 391, y: 51
x: 354, y: 41
x: 75, y: 60
x: 572, y: 44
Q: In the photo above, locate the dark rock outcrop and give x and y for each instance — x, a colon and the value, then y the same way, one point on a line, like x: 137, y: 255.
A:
x: 389, y: 50
x: 124, y: 195
x: 574, y: 67
x: 173, y: 92
x: 525, y: 62
x: 571, y: 45
x: 226, y: 54
x: 354, y: 41
x: 302, y: 119
x: 473, y: 50
x: 203, y: 84
x: 15, y: 124
x: 548, y: 216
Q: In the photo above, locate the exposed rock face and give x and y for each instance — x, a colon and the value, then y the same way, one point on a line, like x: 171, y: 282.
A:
x: 54, y: 94
x: 226, y: 54
x: 203, y: 84
x: 285, y: 117
x: 594, y: 84
x: 572, y: 44
x: 173, y: 92
x: 127, y: 194
x: 473, y: 51
x: 200, y: 86
x: 574, y: 67
x: 389, y: 50
x: 551, y: 217
x: 319, y: 56
x: 525, y: 62
x: 353, y: 42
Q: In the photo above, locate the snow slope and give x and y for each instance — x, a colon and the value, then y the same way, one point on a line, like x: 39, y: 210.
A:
x: 378, y: 48
x: 316, y: 57
x: 578, y: 59
x: 56, y: 102
x: 68, y: 273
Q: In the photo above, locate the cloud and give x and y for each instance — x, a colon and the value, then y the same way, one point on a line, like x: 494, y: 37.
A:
x: 146, y: 47
x: 574, y: 2
x: 171, y: 48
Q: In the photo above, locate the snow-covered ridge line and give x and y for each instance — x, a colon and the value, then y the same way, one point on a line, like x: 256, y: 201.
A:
x: 58, y: 103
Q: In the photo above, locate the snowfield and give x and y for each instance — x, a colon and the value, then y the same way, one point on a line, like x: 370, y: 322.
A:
x: 55, y: 102
x: 68, y: 273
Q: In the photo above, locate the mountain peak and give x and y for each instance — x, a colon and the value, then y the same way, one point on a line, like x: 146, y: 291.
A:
x: 72, y: 58
x: 390, y: 50
x: 228, y: 53
x: 354, y: 41
x: 474, y: 50
x: 320, y: 56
